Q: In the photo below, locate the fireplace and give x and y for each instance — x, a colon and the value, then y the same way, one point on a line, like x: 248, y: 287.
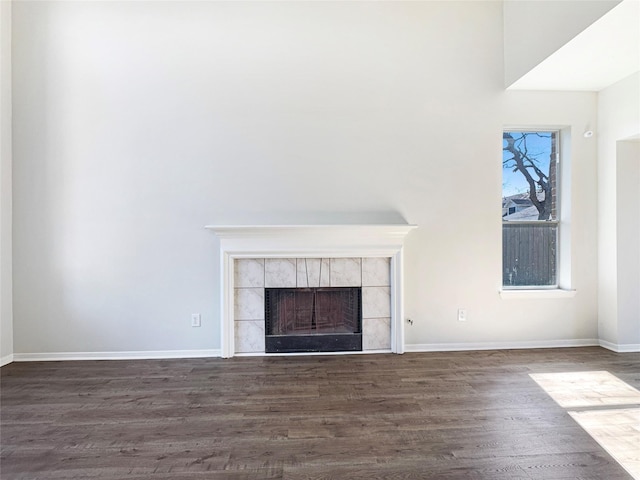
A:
x: 323, y: 319
x: 254, y: 258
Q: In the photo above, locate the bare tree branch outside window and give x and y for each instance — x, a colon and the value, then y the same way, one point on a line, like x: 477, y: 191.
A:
x: 520, y: 158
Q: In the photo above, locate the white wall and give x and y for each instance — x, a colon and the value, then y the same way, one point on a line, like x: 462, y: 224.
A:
x: 465, y: 268
x: 6, y: 309
x: 618, y: 119
x: 628, y: 241
x: 137, y: 123
x: 534, y: 29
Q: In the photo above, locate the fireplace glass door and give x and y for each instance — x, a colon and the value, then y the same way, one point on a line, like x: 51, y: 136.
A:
x: 313, y: 319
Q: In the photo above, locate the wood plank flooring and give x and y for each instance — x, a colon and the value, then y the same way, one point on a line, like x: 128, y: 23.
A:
x: 463, y: 415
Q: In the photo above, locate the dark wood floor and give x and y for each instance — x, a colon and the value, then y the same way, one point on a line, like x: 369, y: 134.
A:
x: 468, y: 415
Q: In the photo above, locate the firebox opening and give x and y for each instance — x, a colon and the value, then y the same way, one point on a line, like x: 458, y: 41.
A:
x: 325, y: 319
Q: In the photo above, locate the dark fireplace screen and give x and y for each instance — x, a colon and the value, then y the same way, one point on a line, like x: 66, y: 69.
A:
x: 313, y: 319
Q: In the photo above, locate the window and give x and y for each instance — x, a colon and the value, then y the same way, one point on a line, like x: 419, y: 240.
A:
x: 530, y: 209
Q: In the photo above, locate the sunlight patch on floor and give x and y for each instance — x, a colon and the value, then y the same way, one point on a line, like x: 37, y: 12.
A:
x: 617, y: 431
x: 587, y: 389
x: 616, y: 427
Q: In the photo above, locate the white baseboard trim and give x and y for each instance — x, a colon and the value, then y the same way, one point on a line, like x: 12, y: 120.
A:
x: 7, y: 359
x: 455, y: 347
x: 624, y: 348
x: 142, y: 355
x: 422, y: 347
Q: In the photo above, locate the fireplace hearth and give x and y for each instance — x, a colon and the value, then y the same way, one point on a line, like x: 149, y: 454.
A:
x: 324, y: 319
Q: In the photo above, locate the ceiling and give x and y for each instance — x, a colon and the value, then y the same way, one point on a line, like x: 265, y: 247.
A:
x: 602, y: 54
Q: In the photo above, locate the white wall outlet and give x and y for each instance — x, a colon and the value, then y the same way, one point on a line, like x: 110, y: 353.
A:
x: 195, y: 319
x: 462, y: 315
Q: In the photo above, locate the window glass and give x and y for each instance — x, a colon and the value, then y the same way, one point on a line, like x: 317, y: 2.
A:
x: 529, y: 208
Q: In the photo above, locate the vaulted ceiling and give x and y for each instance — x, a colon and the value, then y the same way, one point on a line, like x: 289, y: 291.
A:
x: 605, y: 52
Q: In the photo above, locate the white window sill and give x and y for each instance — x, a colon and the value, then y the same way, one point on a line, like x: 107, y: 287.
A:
x: 535, y: 294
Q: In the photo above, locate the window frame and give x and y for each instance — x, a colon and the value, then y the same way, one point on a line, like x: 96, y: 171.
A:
x: 557, y: 221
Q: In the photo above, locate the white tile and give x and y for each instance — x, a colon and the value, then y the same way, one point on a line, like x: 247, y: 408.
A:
x: 376, y: 333
x: 376, y: 302
x: 248, y: 304
x: 249, y: 272
x: 302, y: 272
x: 325, y: 272
x: 376, y: 272
x: 346, y: 272
x: 312, y: 272
x: 304, y: 278
x: 280, y: 273
x: 249, y: 336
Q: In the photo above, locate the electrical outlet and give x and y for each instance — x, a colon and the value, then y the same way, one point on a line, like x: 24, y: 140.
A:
x: 195, y: 319
x: 462, y: 315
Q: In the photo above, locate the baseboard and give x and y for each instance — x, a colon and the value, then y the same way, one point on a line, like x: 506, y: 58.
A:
x: 453, y: 347
x: 142, y: 355
x: 7, y: 359
x: 417, y: 347
x: 624, y: 348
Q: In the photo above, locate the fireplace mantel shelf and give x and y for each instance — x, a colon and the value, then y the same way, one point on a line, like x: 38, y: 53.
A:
x: 319, y: 235
x: 253, y: 230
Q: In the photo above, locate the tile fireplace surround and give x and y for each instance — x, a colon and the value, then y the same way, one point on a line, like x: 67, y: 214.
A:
x: 255, y: 257
x: 253, y: 275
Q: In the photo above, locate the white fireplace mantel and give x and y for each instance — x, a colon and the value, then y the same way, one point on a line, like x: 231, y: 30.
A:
x: 310, y: 241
